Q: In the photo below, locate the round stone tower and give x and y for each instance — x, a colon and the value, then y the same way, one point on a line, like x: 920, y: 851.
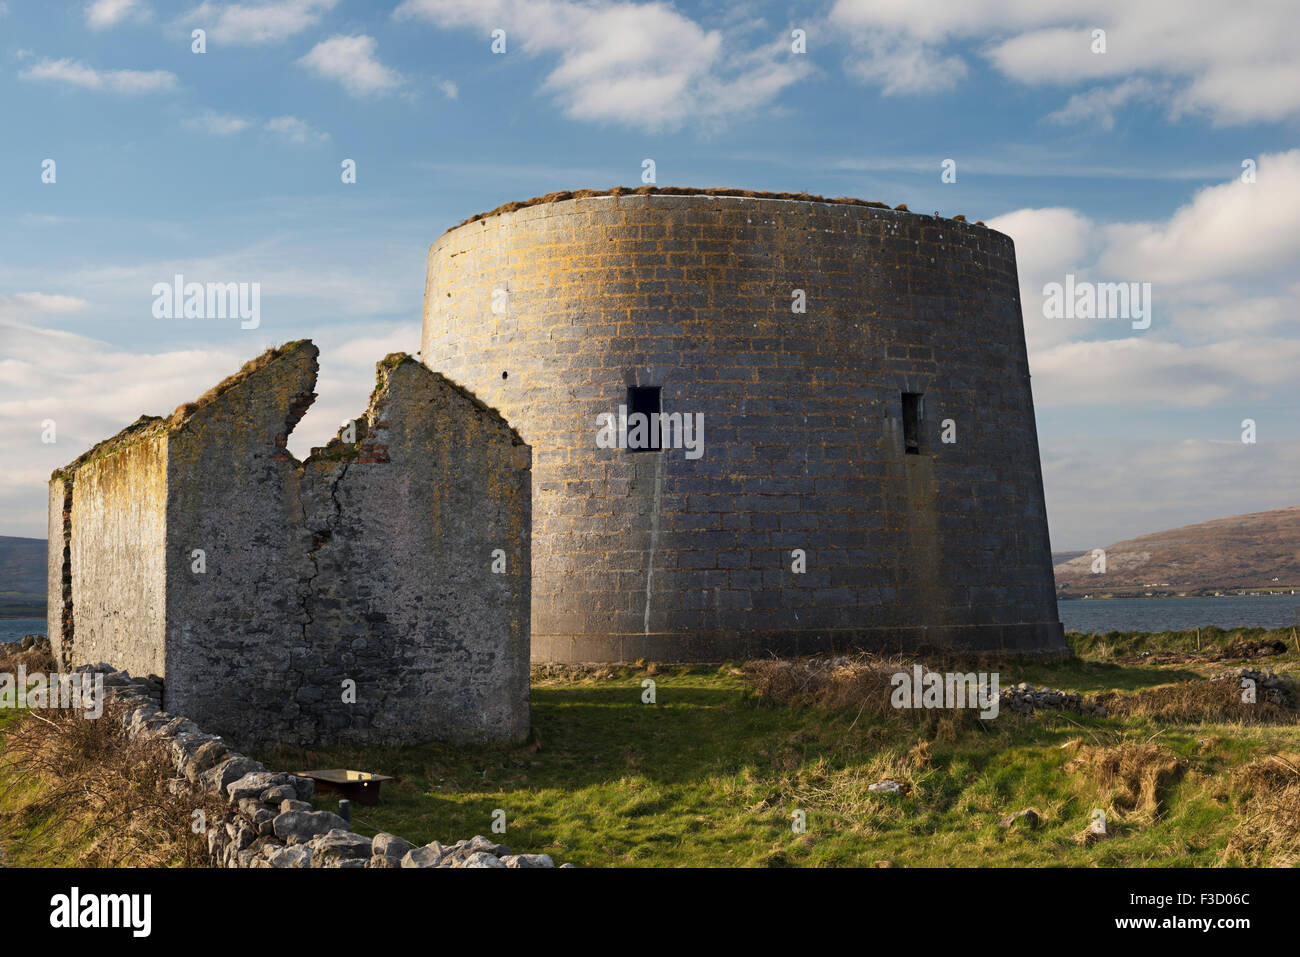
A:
x: 861, y: 467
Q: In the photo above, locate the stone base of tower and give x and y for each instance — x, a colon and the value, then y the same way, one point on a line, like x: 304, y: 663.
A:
x: 1025, y: 638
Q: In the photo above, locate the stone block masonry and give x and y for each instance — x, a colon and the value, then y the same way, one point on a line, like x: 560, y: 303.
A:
x: 825, y: 428
x: 377, y: 592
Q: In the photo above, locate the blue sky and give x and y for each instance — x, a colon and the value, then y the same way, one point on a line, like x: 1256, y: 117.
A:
x: 224, y: 166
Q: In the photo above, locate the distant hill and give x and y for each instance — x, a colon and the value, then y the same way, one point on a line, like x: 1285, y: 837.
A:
x: 1059, y: 557
x: 22, y: 577
x: 1256, y: 551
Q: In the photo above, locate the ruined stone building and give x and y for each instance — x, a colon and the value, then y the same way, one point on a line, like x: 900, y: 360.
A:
x: 863, y: 384
x: 376, y: 592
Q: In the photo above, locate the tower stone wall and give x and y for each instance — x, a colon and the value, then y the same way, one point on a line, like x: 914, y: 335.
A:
x: 551, y: 311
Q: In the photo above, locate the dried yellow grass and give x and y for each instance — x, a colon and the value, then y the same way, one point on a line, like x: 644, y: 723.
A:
x: 1130, y: 775
x: 78, y: 791
x: 1269, y: 833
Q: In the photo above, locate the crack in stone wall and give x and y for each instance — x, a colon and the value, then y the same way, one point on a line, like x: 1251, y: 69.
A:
x: 66, y: 629
x: 369, y: 561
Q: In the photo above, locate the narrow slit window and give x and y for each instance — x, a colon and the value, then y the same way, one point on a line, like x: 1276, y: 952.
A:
x: 912, y: 423
x: 643, y: 418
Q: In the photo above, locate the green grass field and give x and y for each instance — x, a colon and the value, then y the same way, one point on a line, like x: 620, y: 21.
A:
x: 717, y: 770
x: 712, y: 774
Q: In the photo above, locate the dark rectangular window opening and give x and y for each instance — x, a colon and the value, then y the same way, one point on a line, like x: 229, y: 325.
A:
x: 912, y: 423
x: 643, y: 400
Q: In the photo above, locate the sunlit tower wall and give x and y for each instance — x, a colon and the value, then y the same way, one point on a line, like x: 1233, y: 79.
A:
x: 870, y: 473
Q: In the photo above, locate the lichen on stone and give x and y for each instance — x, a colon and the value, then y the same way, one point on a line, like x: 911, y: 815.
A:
x: 184, y: 411
x: 558, y: 197
x: 142, y: 428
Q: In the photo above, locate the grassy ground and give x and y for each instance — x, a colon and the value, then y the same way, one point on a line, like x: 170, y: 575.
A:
x: 713, y: 773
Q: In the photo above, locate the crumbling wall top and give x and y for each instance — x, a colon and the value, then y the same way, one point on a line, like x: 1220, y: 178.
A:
x: 148, y: 426
x: 144, y: 427
x: 186, y: 410
x: 685, y: 191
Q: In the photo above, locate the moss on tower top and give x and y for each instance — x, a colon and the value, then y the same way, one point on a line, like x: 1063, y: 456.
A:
x: 674, y: 191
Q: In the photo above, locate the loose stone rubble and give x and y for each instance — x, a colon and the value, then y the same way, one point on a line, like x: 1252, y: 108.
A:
x: 1028, y: 816
x: 39, y: 642
x: 270, y: 822
x: 1269, y: 685
x: 1026, y: 699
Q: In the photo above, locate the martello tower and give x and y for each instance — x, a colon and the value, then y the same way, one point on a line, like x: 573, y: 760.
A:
x: 870, y: 473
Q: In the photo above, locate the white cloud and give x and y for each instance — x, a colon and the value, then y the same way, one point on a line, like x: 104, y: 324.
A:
x: 92, y: 390
x: 103, y: 14
x: 46, y: 219
x: 252, y: 24
x: 1100, y: 104
x: 899, y: 47
x: 449, y: 89
x: 1233, y: 309
x: 1148, y: 372
x: 1233, y: 230
x: 1223, y: 288
x: 1234, y: 61
x: 1155, y: 483
x: 351, y: 61
x: 900, y: 65
x: 937, y: 20
x: 76, y: 73
x: 641, y: 65
x: 1047, y: 238
x: 1049, y: 242
x: 217, y: 124
x: 294, y: 130
x: 335, y: 283
x: 39, y: 303
x: 289, y: 128
x: 347, y: 377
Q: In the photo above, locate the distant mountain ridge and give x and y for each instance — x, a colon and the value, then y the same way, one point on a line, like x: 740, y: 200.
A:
x: 1260, y: 550
x: 1060, y: 557
x: 22, y: 577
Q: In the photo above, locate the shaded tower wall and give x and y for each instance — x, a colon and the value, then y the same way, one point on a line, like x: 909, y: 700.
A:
x: 552, y: 311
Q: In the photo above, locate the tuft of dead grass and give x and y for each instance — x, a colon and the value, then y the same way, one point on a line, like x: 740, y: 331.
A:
x: 562, y: 195
x: 78, y: 791
x: 859, y: 685
x: 920, y: 755
x: 577, y: 674
x: 1130, y: 774
x: 1198, y: 702
x: 1268, y: 793
x: 859, y: 682
x: 35, y: 660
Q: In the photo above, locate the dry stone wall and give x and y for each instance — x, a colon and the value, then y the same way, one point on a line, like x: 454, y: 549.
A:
x: 270, y: 822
